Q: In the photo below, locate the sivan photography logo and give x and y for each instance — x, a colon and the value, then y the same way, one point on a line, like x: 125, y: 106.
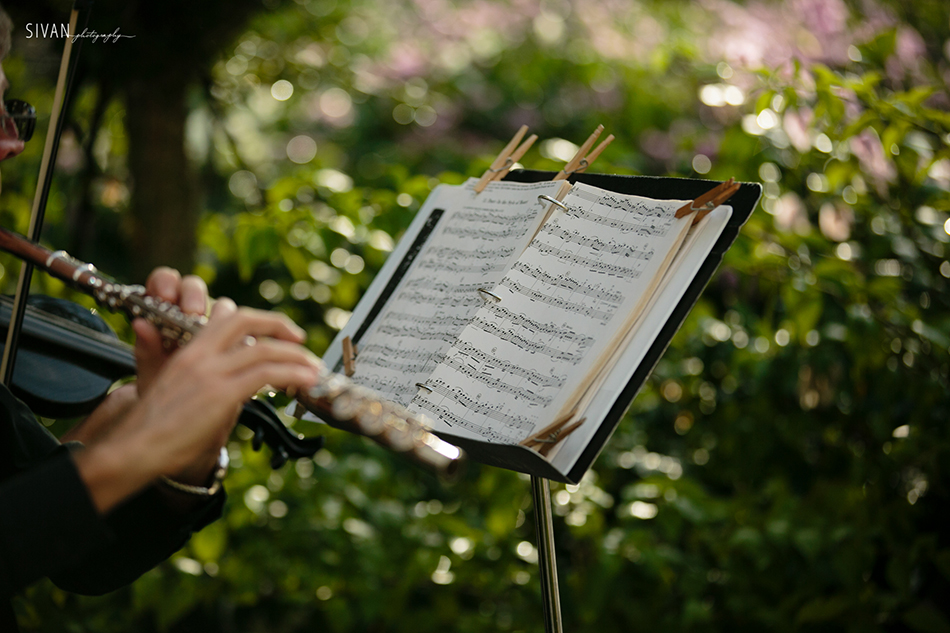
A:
x: 42, y: 30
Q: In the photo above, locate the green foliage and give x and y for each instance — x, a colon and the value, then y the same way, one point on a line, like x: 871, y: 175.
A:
x: 785, y: 466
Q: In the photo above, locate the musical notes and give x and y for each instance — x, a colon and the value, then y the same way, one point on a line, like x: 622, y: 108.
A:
x: 563, y: 306
x: 489, y: 234
x: 476, y: 241
x: 494, y: 379
x: 406, y: 360
x: 439, y: 256
x: 592, y: 263
x: 610, y: 246
x: 426, y: 328
x: 571, y: 306
x: 527, y: 344
x: 569, y: 283
x: 420, y: 292
x: 506, y: 432
x: 533, y: 377
x: 642, y: 218
x: 496, y: 217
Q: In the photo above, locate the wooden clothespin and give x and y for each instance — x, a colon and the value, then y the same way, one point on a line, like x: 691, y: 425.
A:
x: 516, y: 156
x: 709, y: 200
x: 590, y: 158
x: 548, y: 437
x: 582, y: 160
x: 506, y: 159
x: 349, y: 356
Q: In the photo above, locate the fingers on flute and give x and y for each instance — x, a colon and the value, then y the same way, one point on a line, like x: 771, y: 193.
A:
x: 148, y: 340
x: 193, y: 295
x: 280, y: 375
x: 233, y: 329
x: 273, y: 362
x: 164, y: 282
x: 272, y: 351
x: 190, y: 292
x: 223, y: 307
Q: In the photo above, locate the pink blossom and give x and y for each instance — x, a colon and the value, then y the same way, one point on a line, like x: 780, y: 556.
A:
x: 772, y: 35
x: 909, y: 48
x: 407, y: 60
x: 835, y: 221
x: 824, y: 18
x: 790, y: 214
x: 867, y: 147
x: 657, y: 145
x: 796, y: 124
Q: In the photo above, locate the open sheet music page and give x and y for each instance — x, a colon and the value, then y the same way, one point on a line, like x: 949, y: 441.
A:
x: 477, y: 238
x: 565, y: 304
x: 605, y: 391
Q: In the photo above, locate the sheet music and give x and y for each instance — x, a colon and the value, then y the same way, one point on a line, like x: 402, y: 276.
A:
x: 477, y: 239
x: 565, y: 304
x: 696, y: 247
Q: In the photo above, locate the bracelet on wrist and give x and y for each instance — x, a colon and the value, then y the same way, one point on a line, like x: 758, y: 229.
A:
x: 217, y: 477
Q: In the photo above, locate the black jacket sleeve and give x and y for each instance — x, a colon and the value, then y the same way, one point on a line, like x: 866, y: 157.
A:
x: 143, y: 532
x: 47, y: 523
x: 49, y: 526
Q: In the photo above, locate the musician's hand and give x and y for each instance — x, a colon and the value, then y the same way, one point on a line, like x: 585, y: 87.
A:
x: 192, y: 403
x: 106, y: 417
x: 190, y: 294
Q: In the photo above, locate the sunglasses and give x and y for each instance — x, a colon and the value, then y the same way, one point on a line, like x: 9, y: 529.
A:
x: 20, y: 119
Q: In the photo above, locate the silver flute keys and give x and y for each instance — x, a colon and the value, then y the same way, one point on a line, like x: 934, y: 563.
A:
x: 336, y: 399
x: 344, y: 404
x: 175, y: 326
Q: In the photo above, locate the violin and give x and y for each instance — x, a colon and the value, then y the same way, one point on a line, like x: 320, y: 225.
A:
x: 69, y: 357
x: 336, y: 399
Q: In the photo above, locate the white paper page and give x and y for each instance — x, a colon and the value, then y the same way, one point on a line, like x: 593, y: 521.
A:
x: 689, y: 260
x: 564, y: 304
x: 334, y: 353
x: 476, y: 240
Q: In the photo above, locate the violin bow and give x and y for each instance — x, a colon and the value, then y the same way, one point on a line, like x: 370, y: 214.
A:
x: 67, y: 70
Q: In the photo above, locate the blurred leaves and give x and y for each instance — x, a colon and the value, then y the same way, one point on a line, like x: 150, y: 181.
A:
x: 785, y: 466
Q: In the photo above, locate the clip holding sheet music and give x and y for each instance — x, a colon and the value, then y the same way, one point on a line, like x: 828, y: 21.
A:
x: 505, y: 160
x: 564, y: 453
x: 489, y: 296
x: 349, y: 356
x: 515, y: 156
x: 705, y: 203
x: 546, y: 439
x: 582, y: 160
x: 552, y: 200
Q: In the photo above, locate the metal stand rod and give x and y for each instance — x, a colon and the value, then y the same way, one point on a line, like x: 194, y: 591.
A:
x: 541, y: 495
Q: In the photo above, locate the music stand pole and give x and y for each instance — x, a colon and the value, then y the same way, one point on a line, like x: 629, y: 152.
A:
x: 544, y: 524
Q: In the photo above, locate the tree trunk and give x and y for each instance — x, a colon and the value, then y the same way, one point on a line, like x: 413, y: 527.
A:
x: 164, y: 201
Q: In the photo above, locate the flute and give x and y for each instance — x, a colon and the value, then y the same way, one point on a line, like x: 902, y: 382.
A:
x: 336, y: 399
